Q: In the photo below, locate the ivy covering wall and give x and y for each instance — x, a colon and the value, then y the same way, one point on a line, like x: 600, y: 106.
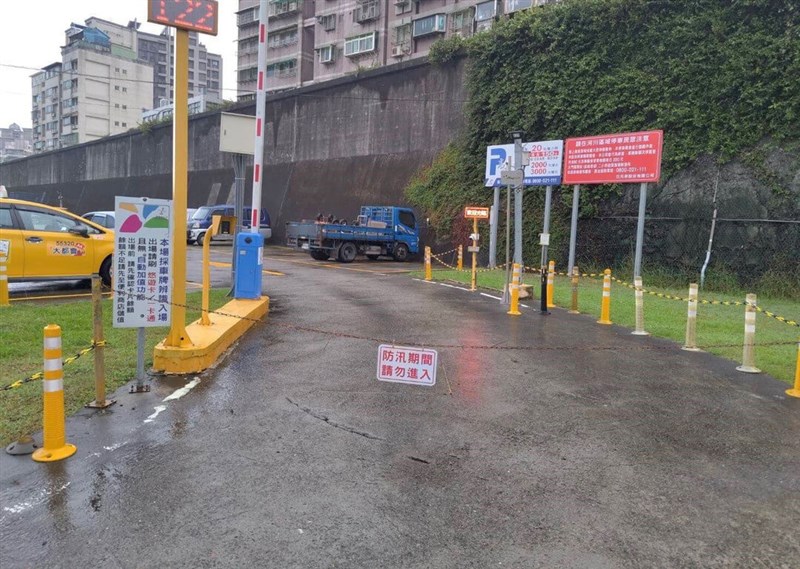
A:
x: 718, y: 76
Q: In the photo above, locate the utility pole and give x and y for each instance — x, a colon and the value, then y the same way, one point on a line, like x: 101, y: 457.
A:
x: 518, y: 165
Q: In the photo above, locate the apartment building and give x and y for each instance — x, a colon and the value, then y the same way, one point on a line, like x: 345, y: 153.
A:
x: 98, y: 89
x: 205, y: 68
x: 310, y: 41
x: 15, y: 142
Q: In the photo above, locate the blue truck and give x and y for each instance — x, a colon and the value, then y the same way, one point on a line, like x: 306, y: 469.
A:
x: 378, y: 231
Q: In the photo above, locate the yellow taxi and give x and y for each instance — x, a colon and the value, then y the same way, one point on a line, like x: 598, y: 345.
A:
x: 48, y: 243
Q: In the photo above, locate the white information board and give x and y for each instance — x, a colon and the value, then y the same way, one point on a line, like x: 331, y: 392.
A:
x: 543, y: 168
x: 142, y: 262
x: 402, y: 364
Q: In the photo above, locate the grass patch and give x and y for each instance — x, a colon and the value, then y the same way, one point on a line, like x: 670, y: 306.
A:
x: 716, y: 325
x: 21, y: 356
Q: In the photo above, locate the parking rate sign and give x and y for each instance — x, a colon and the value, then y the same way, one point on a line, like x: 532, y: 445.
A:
x: 543, y: 169
x: 142, y: 256
x: 627, y: 158
x: 401, y: 364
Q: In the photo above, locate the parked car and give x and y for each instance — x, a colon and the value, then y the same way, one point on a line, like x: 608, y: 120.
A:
x: 49, y: 243
x: 201, y: 220
x: 102, y: 218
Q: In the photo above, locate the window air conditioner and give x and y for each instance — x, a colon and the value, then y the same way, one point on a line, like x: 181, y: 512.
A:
x: 398, y: 51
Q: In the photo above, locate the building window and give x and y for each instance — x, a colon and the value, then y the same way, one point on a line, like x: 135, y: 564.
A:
x: 116, y: 87
x: 283, y: 38
x: 124, y: 89
x: 461, y: 22
x: 248, y: 74
x: 430, y: 25
x: 279, y: 7
x: 247, y: 16
x: 328, y: 22
x: 286, y: 68
x: 326, y: 53
x: 402, y: 7
x: 213, y: 63
x: 116, y: 105
x: 124, y: 107
x: 512, y: 6
x: 485, y: 11
x: 191, y: 76
x: 360, y: 44
x: 124, y: 71
x: 124, y: 124
x: 116, y: 123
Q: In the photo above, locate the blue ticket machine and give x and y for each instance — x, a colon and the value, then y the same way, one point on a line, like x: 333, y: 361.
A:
x: 247, y: 281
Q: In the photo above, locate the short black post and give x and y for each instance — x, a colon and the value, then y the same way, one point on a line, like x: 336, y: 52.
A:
x: 543, y: 296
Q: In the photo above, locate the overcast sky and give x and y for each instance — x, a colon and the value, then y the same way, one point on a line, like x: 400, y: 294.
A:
x: 32, y: 33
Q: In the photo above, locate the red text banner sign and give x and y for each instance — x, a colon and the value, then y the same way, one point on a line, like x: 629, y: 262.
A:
x: 627, y: 158
x: 474, y: 212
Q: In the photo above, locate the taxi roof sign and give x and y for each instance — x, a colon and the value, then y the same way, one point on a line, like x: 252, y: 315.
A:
x: 476, y: 212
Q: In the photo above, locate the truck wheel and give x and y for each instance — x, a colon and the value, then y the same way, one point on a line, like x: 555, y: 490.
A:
x: 200, y: 238
x: 373, y: 257
x: 319, y: 255
x: 400, y: 252
x: 348, y: 252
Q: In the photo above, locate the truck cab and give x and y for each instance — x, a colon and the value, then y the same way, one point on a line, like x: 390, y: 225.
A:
x: 200, y: 222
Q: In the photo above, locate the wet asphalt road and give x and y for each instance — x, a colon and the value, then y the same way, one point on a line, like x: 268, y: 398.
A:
x: 588, y: 447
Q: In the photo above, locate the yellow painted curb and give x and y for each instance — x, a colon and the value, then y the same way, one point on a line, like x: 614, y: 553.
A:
x: 210, y: 342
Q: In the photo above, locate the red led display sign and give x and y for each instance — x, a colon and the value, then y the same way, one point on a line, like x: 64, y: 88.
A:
x: 193, y: 15
x: 630, y: 157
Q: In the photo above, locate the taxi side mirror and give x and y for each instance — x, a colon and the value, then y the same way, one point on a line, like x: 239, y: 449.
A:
x: 81, y: 230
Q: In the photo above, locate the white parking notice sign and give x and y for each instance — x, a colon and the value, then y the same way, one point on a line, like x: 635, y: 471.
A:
x: 400, y: 364
x: 142, y: 262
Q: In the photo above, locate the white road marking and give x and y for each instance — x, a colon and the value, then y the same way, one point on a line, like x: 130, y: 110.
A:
x: 36, y: 500
x: 491, y: 296
x: 178, y: 393
x: 158, y: 409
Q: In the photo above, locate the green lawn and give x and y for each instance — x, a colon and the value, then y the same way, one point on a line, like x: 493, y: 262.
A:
x: 21, y: 327
x: 717, y: 325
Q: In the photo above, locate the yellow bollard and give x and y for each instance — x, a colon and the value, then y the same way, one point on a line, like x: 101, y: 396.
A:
x: 55, y: 446
x: 575, y: 276
x: 639, y: 306
x: 748, y: 351
x: 691, y: 321
x: 460, y: 257
x: 795, y: 391
x: 605, y: 306
x: 516, y: 278
x: 551, y: 275
x: 474, y: 278
x: 4, y: 301
x: 428, y: 270
x: 213, y: 230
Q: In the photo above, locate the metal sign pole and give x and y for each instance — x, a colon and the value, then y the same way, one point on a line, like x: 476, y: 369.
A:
x: 573, y: 231
x: 493, y: 223
x: 637, y: 263
x: 545, y: 241
x: 140, y: 375
x: 506, y: 297
x: 518, y: 201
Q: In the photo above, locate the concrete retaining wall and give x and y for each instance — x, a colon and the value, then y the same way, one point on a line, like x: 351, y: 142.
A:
x: 328, y: 148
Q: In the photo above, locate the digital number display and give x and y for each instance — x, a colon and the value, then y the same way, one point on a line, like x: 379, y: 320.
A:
x: 193, y: 15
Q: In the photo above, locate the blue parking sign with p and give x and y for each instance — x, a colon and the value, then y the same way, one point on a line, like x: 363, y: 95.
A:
x: 496, y: 158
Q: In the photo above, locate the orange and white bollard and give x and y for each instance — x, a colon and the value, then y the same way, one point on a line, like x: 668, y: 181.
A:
x: 575, y: 276
x: 516, y: 279
x: 460, y: 257
x: 428, y: 271
x: 605, y: 305
x: 551, y: 276
x: 55, y: 445
x: 691, y: 321
x: 795, y: 391
x: 4, y: 301
x: 748, y: 351
x: 638, y: 292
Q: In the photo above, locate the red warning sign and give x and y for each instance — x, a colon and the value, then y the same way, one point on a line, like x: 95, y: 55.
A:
x: 630, y: 157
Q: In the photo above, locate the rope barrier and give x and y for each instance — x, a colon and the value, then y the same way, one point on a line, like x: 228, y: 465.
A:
x: 40, y: 375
